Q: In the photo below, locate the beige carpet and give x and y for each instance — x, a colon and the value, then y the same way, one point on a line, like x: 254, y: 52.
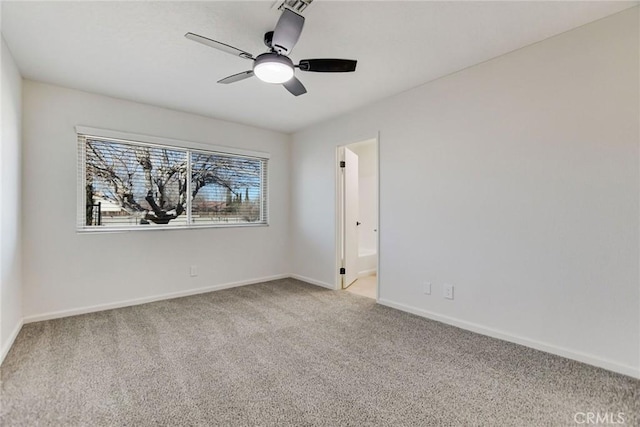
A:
x: 288, y: 353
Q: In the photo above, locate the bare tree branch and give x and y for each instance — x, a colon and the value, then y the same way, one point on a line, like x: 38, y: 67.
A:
x: 158, y: 177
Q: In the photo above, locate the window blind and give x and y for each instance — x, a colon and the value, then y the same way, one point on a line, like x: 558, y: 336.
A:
x: 135, y: 185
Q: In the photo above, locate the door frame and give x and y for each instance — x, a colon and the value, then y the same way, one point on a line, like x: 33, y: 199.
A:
x: 339, y: 219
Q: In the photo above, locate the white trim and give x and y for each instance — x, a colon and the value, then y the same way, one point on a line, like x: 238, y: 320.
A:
x: 505, y: 336
x: 97, y: 230
x: 144, y: 300
x: 313, y: 281
x: 378, y: 225
x: 339, y: 235
x: 12, y: 338
x: 150, y: 139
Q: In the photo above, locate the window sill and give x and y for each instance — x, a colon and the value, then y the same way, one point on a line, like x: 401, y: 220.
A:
x: 101, y: 230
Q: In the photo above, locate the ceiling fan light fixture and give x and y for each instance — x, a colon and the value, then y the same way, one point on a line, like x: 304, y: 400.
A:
x: 273, y: 68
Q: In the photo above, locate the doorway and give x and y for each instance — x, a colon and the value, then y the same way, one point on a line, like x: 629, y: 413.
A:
x: 357, y: 196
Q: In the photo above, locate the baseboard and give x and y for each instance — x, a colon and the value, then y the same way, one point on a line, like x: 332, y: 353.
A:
x: 144, y: 300
x: 7, y: 346
x: 494, y: 333
x: 366, y: 273
x: 549, y: 348
x: 312, y: 281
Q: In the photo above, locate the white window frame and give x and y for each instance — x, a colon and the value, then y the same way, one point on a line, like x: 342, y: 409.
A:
x: 168, y: 143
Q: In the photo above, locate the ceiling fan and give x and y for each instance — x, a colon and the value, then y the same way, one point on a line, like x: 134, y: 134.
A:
x: 275, y: 66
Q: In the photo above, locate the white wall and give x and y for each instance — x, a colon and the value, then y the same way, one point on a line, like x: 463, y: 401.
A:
x: 517, y: 181
x: 10, y: 235
x: 66, y: 272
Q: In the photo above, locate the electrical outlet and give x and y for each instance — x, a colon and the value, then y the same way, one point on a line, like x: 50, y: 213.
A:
x: 193, y: 271
x: 448, y: 291
x: 427, y: 288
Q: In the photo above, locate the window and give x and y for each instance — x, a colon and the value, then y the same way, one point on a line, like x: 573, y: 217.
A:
x: 129, y: 184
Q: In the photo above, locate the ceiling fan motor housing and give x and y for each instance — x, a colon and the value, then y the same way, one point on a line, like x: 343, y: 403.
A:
x: 268, y: 38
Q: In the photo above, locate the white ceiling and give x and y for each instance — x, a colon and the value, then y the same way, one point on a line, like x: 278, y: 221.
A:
x: 137, y: 50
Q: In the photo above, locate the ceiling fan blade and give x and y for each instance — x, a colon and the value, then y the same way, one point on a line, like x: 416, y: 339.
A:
x: 237, y: 77
x: 287, y: 32
x: 218, y: 45
x: 328, y: 65
x: 295, y: 86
